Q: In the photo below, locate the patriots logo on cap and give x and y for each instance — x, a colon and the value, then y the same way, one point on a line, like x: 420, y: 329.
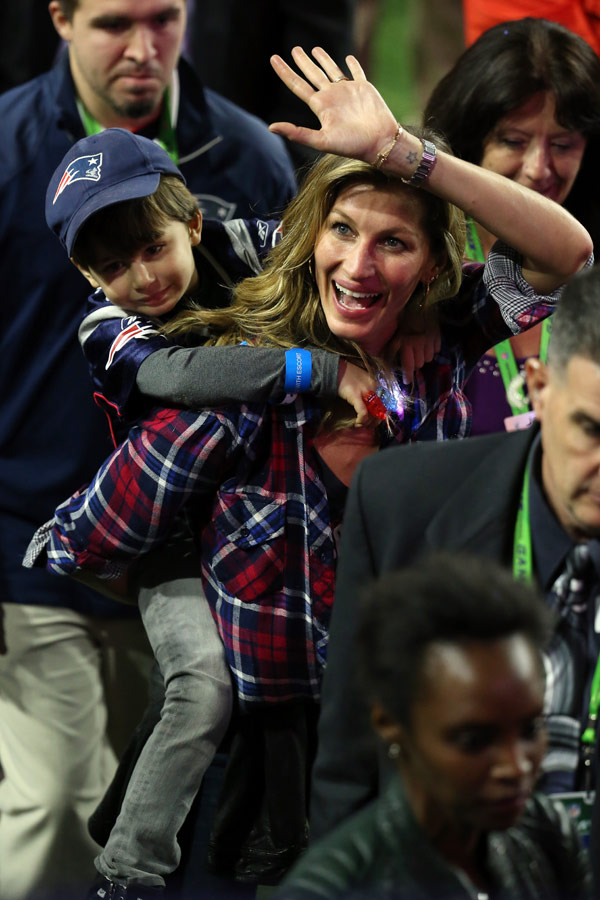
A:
x: 84, y: 168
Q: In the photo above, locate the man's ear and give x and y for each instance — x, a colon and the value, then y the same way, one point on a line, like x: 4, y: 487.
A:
x: 537, y: 375
x: 86, y: 274
x: 195, y: 226
x: 61, y: 23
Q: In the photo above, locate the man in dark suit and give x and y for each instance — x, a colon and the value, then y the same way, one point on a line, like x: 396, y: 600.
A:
x: 465, y: 496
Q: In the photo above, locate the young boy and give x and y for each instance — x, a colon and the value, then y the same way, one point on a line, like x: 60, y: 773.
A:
x: 121, y: 209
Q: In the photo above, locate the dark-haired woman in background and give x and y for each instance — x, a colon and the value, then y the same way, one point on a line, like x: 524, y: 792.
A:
x: 450, y: 657
x: 523, y: 101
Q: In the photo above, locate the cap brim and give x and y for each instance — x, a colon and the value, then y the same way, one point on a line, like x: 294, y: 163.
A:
x: 131, y: 189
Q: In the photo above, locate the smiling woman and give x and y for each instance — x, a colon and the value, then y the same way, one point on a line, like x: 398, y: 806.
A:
x: 522, y: 101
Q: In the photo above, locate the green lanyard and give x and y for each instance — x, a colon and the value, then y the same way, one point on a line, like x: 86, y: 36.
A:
x: 166, y: 133
x: 507, y: 364
x: 523, y: 571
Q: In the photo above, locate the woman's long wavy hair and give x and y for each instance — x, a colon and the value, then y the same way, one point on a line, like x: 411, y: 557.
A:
x: 281, y: 306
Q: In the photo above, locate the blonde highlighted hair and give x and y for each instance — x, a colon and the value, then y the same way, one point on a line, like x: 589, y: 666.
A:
x: 281, y: 306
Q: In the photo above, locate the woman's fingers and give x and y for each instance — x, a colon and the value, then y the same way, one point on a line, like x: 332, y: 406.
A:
x: 311, y: 70
x: 330, y: 67
x: 294, y: 82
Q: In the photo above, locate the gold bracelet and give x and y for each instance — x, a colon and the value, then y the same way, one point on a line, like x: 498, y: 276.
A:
x: 383, y: 155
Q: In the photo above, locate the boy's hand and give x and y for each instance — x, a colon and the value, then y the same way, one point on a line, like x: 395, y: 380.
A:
x: 353, y: 385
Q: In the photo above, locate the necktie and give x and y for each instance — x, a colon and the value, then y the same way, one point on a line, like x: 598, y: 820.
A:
x: 568, y: 668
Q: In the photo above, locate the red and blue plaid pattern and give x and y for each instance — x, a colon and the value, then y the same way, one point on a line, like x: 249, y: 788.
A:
x: 249, y: 479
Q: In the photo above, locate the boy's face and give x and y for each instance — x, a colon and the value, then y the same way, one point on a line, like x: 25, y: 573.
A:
x: 155, y: 278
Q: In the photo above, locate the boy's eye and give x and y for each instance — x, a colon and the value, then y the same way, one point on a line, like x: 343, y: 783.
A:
x: 154, y: 249
x: 112, y: 267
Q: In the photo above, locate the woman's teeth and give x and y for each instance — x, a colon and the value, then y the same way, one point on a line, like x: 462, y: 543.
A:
x: 354, y: 299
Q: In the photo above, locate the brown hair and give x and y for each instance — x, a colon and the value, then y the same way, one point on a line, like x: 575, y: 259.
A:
x: 123, y: 228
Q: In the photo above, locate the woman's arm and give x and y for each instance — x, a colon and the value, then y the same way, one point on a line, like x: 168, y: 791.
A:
x: 356, y: 122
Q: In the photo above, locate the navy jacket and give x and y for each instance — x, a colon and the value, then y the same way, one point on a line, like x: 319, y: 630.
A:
x: 52, y: 437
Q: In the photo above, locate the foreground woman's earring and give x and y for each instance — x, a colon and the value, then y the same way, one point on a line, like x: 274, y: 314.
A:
x: 394, y: 751
x: 310, y: 268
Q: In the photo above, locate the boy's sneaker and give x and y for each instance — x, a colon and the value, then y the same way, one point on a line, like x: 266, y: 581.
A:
x: 104, y: 889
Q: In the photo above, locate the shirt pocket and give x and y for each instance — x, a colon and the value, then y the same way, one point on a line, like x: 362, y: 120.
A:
x: 249, y: 557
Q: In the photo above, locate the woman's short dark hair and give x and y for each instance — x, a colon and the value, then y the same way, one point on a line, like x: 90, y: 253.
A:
x: 440, y: 599
x: 505, y: 67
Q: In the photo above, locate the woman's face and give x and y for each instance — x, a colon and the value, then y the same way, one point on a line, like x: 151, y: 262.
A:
x: 530, y: 147
x: 369, y: 258
x: 476, y: 739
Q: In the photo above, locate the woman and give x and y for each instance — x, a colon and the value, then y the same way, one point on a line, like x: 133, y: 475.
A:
x: 523, y: 101
x: 264, y: 484
x: 450, y: 654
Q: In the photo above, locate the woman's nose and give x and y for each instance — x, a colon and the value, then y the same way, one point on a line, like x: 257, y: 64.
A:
x: 514, y: 762
x: 537, y: 163
x: 359, y: 262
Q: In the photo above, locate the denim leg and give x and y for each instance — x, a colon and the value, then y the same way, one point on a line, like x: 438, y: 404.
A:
x: 142, y: 846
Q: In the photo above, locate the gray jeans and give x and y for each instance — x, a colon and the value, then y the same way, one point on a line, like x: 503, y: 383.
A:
x: 142, y: 846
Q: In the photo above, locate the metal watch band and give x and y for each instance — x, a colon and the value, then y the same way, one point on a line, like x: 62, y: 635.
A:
x: 426, y: 165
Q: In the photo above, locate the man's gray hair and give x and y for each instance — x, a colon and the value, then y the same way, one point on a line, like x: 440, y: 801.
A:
x: 576, y: 322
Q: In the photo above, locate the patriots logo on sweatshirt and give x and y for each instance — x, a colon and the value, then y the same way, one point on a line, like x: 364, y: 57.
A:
x: 84, y: 168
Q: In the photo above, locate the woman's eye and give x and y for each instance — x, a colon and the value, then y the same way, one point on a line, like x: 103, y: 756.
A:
x: 513, y: 143
x: 473, y: 741
x: 394, y: 243
x: 341, y: 228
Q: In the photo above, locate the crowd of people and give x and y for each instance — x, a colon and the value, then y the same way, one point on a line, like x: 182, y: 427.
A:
x: 348, y: 624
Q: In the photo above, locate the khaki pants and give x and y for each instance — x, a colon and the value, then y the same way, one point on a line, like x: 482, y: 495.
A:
x: 72, y: 689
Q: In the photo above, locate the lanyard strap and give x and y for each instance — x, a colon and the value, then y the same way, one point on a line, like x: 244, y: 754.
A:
x: 507, y: 364
x: 166, y: 133
x: 522, y: 552
x: 523, y: 571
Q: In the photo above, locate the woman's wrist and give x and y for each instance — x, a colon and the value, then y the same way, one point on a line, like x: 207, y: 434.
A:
x: 408, y: 156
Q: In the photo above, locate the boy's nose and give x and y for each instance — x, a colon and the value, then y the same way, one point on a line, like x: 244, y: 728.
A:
x: 142, y: 275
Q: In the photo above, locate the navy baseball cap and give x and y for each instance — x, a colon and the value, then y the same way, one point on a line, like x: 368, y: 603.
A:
x: 99, y: 170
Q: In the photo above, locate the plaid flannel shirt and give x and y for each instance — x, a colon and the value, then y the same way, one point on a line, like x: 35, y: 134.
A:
x: 250, y: 480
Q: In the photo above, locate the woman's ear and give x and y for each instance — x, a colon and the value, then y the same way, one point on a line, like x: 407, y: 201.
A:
x: 195, y: 227
x: 389, y: 729
x: 86, y: 274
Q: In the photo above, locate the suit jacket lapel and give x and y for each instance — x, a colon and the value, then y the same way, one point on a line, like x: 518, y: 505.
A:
x: 479, y: 517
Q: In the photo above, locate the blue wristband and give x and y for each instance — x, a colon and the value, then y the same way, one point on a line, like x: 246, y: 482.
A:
x: 298, y: 368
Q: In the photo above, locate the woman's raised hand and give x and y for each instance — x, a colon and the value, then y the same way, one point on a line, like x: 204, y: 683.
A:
x: 355, y: 120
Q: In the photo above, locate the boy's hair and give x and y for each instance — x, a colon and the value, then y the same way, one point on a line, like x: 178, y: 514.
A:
x: 123, y: 228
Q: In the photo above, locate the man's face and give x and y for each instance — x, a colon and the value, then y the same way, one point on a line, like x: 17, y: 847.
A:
x: 567, y: 404
x: 122, y: 55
